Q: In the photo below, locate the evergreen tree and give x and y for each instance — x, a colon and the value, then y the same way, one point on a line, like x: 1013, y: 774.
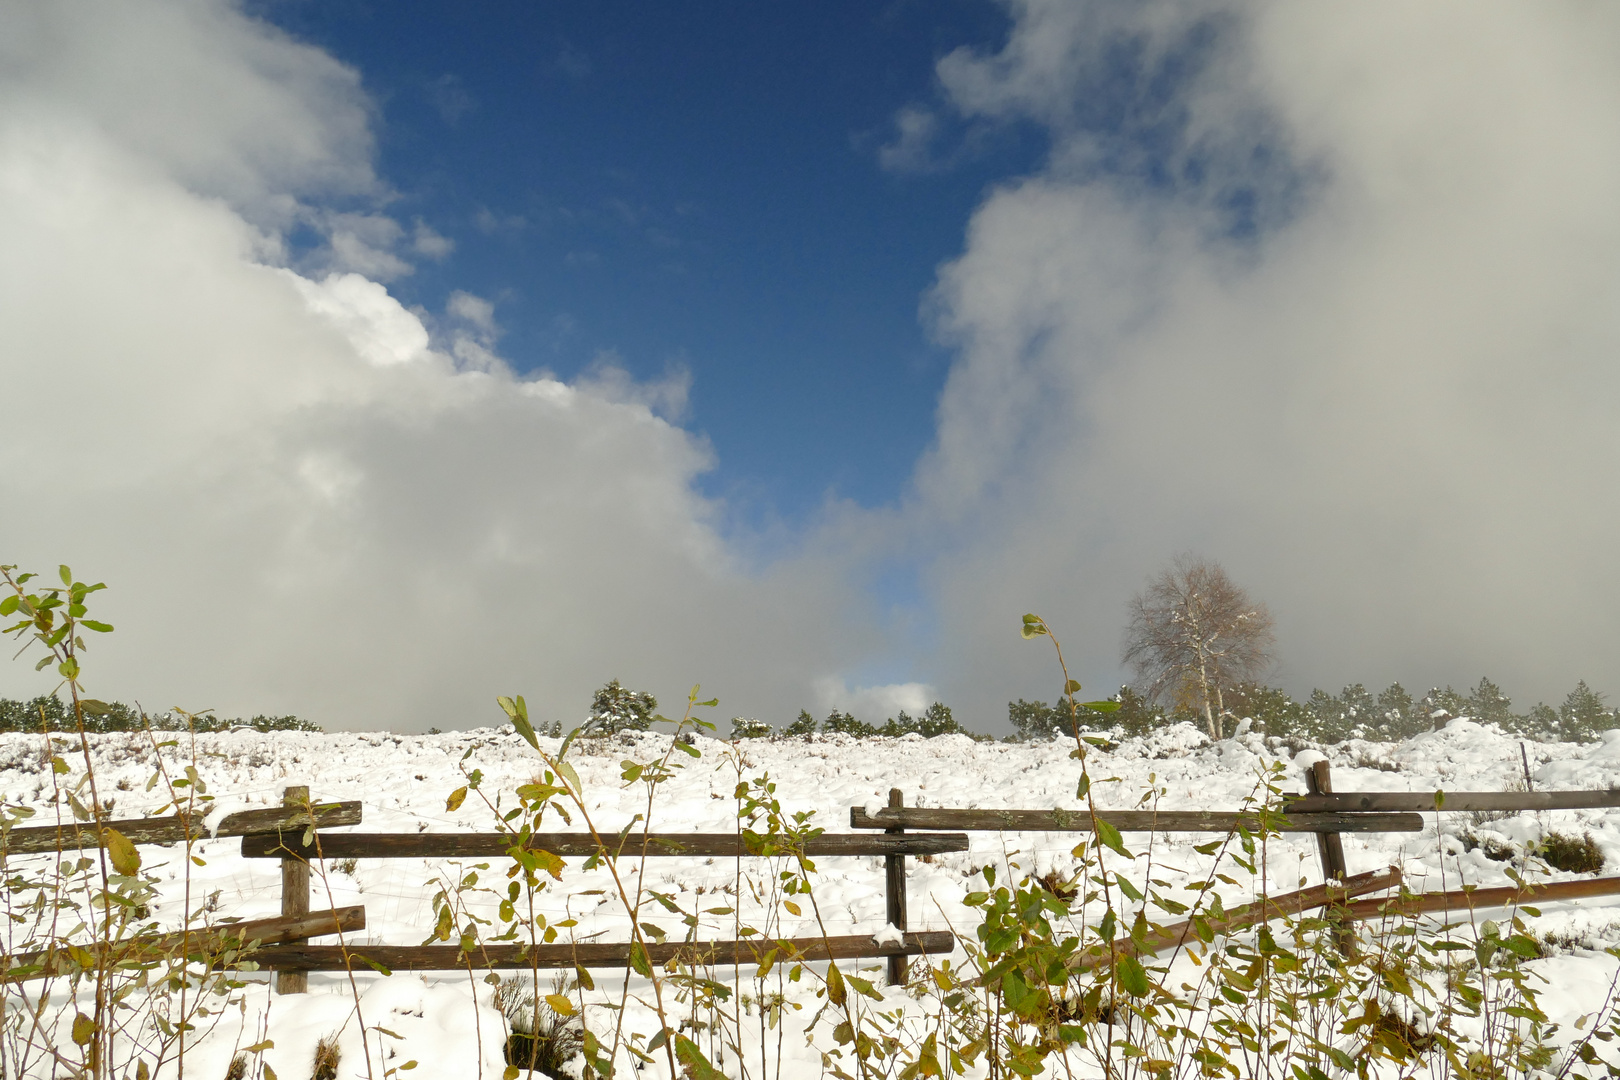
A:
x: 894, y: 726
x: 1398, y: 714
x: 1033, y: 720
x: 937, y: 720
x: 1358, y: 710
x: 1582, y: 716
x: 746, y: 727
x: 1327, y: 719
x: 1540, y: 723
x: 843, y: 722
x: 804, y: 725
x: 1272, y: 711
x: 1443, y: 706
x: 615, y: 709
x: 1489, y: 705
x: 1136, y: 715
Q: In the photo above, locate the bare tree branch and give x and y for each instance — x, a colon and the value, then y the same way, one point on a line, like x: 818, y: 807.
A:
x: 1193, y: 635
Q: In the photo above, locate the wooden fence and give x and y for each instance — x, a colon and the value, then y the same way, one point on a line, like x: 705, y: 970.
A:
x: 284, y: 833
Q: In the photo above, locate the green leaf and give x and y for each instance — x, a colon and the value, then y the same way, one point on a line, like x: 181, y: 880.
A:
x: 125, y: 859
x: 1133, y: 977
x: 84, y: 1029
x: 8, y: 606
x: 1127, y: 888
x: 1100, y: 706
x: 1072, y: 686
x: 697, y: 1066
x: 639, y: 961
x: 66, y: 574
x: 1109, y: 836
x: 98, y: 627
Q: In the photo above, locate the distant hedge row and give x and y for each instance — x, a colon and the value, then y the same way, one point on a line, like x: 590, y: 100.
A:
x: 1353, y: 713
x: 52, y: 714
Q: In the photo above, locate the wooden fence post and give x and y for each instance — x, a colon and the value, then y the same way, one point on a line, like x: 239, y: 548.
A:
x: 294, y: 895
x: 894, y: 890
x: 1319, y: 781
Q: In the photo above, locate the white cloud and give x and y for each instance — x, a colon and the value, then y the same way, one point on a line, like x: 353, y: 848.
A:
x: 1388, y: 411
x: 873, y: 704
x: 376, y: 325
x: 912, y: 149
x: 426, y: 241
x: 302, y: 502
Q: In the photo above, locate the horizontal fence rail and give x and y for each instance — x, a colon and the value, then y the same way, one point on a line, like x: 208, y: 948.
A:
x: 1462, y: 900
x: 916, y: 817
x: 176, y: 828
x: 593, y: 954
x: 1354, y: 801
x: 495, y: 845
x: 206, y: 944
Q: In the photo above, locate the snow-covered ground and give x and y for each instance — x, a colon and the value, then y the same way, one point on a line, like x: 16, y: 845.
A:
x: 403, y: 782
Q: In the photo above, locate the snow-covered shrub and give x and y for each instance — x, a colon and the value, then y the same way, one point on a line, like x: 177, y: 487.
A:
x: 616, y: 708
x: 746, y: 727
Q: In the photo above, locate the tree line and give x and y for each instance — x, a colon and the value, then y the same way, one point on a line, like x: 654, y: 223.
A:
x: 50, y: 713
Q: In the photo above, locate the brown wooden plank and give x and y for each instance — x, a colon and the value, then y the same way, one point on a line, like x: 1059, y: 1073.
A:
x: 204, y: 943
x: 589, y: 954
x: 1216, y: 821
x: 1351, y: 801
x: 172, y: 829
x: 495, y: 845
x: 1469, y: 899
x: 1271, y: 907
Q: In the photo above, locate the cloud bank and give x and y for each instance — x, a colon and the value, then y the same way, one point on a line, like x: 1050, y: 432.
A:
x: 1324, y: 292
x: 306, y: 497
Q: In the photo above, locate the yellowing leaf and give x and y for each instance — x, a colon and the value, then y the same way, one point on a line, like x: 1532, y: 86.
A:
x: 457, y: 797
x: 560, y: 1005
x: 835, y: 985
x: 125, y: 859
x: 791, y: 906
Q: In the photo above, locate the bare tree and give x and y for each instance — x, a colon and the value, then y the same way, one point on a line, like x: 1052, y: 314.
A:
x: 1193, y: 635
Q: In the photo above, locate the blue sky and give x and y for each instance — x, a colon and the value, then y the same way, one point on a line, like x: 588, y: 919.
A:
x: 696, y: 185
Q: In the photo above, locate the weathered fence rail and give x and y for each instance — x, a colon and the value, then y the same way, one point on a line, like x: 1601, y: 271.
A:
x: 596, y: 954
x: 177, y: 828
x: 632, y: 846
x: 1359, y: 801
x: 205, y: 944
x: 918, y: 817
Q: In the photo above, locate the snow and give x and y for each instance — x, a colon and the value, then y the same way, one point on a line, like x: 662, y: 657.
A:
x: 890, y: 935
x: 447, y: 1022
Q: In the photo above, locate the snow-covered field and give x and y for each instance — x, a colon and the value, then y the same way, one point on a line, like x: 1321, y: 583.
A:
x: 403, y: 782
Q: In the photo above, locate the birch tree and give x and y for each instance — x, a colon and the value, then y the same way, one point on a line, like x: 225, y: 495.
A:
x: 1194, y: 635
